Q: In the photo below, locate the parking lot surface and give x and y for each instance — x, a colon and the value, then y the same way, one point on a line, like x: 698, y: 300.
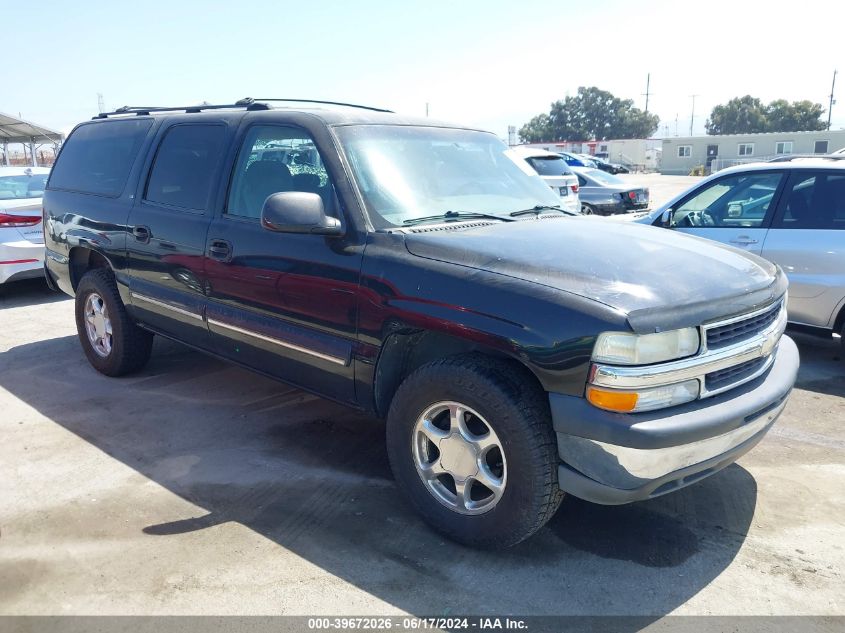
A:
x: 195, y: 487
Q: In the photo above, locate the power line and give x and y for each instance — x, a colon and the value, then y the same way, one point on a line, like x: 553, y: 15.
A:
x: 832, y: 100
x: 647, y: 93
x: 692, y: 114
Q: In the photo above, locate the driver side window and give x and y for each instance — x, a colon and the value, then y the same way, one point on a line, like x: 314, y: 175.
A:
x: 738, y: 201
x: 276, y: 159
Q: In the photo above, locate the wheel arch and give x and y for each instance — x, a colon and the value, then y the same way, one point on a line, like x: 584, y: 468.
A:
x: 404, y: 352
x: 81, y: 259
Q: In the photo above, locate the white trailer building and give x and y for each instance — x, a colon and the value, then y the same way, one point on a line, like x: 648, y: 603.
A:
x: 681, y: 154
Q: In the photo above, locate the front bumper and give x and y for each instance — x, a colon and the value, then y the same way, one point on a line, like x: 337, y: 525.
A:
x: 612, y: 458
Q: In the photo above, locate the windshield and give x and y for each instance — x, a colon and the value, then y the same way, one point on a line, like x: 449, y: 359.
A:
x: 408, y: 172
x: 22, y: 186
x: 549, y: 165
x: 603, y: 177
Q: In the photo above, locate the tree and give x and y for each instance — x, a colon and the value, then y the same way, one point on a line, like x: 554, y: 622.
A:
x: 747, y: 115
x: 740, y: 115
x: 798, y: 116
x: 592, y: 114
x: 536, y: 130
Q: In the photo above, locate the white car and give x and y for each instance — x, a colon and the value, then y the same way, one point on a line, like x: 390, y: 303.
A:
x: 557, y: 174
x: 21, y: 234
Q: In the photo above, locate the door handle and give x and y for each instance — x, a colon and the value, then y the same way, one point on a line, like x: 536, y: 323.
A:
x: 141, y: 233
x: 743, y: 240
x: 221, y: 250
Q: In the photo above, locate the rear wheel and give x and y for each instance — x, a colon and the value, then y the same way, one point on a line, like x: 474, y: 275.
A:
x: 471, y: 444
x: 113, y: 344
x: 586, y: 209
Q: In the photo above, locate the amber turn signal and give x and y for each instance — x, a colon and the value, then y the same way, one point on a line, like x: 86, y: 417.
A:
x: 622, y: 401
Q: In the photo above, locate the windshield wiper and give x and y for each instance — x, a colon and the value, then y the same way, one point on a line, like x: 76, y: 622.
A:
x: 451, y: 216
x: 539, y: 208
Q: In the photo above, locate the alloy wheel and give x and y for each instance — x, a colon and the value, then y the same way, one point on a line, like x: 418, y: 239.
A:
x: 98, y: 325
x: 459, y: 458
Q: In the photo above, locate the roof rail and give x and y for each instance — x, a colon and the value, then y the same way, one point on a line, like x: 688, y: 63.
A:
x: 248, y: 102
x: 791, y: 157
x: 337, y: 103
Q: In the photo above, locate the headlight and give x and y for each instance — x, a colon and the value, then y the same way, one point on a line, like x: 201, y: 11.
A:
x: 623, y: 348
x: 643, y: 399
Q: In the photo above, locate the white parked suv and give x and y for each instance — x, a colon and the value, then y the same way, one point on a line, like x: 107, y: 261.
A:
x: 21, y: 235
x: 557, y: 174
x: 790, y: 211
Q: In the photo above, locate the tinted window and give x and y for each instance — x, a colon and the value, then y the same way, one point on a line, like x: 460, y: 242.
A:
x: 549, y: 165
x: 605, y: 178
x: 22, y: 187
x: 97, y: 157
x: 814, y: 201
x: 183, y: 171
x: 735, y: 201
x: 274, y: 159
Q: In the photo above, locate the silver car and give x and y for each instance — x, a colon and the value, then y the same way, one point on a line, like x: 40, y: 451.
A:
x: 792, y: 213
x: 604, y: 194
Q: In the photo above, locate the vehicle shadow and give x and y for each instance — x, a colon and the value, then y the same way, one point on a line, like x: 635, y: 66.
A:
x: 313, y: 477
x: 822, y: 366
x: 28, y: 292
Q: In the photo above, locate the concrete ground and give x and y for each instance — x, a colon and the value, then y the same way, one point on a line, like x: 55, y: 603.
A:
x: 195, y: 487
x: 661, y: 188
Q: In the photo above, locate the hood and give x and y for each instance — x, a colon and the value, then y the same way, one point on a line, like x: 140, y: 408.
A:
x: 657, y: 278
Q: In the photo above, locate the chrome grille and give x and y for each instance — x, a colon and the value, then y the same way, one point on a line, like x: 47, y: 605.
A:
x: 724, y: 335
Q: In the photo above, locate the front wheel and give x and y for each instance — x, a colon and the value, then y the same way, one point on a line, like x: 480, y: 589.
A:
x: 471, y: 444
x: 842, y: 341
x: 113, y: 344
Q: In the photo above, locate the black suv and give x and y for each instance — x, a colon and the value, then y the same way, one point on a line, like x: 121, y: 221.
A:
x: 424, y: 273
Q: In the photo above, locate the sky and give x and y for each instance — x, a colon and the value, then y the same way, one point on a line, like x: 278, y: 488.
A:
x: 488, y: 64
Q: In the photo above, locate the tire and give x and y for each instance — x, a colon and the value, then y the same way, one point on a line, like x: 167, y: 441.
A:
x: 502, y: 397
x: 842, y: 342
x: 586, y: 209
x: 126, y: 348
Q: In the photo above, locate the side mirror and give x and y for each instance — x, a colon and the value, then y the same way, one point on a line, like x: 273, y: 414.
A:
x: 298, y: 212
x: 666, y: 219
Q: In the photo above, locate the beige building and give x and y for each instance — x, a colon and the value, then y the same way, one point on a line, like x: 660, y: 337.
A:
x: 681, y: 154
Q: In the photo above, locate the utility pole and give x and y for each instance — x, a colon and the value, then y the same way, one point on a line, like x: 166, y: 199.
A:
x: 100, y: 103
x: 426, y: 108
x: 676, y: 124
x: 692, y: 114
x: 647, y: 93
x: 832, y: 100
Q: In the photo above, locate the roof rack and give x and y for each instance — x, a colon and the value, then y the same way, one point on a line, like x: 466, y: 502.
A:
x: 337, y: 103
x: 248, y: 102
x: 791, y: 157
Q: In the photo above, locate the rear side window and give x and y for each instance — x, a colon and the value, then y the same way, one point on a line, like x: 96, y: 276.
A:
x: 814, y: 200
x: 185, y: 164
x: 97, y: 157
x: 549, y: 165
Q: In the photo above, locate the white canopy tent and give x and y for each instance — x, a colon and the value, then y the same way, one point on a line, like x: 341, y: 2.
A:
x: 14, y: 130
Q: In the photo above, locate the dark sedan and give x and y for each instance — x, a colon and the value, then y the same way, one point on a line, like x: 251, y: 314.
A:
x: 611, y: 168
x: 605, y: 194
